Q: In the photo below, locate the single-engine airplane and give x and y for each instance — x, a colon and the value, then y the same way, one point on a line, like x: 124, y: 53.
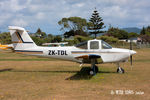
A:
x: 92, y: 52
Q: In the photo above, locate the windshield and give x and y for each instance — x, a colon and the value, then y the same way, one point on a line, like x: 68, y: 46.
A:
x: 82, y: 45
x: 106, y: 45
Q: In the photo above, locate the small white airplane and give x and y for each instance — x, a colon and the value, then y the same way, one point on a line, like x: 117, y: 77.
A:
x: 91, y: 52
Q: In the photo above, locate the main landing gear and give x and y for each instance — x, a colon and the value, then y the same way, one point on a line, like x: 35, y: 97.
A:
x: 119, y: 69
x: 94, y: 68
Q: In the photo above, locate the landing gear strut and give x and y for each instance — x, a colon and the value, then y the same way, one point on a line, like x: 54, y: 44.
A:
x: 119, y: 69
x: 94, y: 68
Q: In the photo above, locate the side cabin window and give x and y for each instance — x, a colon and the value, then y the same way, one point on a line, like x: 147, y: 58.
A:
x: 94, y: 45
x: 82, y: 45
x: 106, y: 45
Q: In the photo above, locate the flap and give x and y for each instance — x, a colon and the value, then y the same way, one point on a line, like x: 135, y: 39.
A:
x: 90, y: 56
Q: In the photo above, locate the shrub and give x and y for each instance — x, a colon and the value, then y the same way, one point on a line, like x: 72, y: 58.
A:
x: 108, y: 39
x: 82, y: 38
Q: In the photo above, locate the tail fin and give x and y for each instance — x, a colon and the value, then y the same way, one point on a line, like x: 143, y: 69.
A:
x: 20, y: 38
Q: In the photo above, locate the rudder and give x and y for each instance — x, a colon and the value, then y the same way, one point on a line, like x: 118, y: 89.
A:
x: 20, y: 38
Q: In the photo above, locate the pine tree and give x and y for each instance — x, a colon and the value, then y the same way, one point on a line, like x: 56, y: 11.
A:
x: 143, y: 31
x: 40, y: 34
x: 38, y: 30
x: 96, y: 23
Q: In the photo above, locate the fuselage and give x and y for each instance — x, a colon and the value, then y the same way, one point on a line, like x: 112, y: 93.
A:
x: 71, y: 52
x: 84, y: 52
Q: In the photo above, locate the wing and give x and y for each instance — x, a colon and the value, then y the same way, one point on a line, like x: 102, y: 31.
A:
x: 87, y: 58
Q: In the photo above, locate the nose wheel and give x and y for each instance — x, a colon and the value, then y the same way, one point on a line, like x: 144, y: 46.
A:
x: 120, y: 70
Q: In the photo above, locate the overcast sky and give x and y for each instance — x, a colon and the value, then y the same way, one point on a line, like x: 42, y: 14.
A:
x: 45, y: 14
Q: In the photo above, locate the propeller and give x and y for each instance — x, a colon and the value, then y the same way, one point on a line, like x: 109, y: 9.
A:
x: 131, y: 48
x: 131, y: 60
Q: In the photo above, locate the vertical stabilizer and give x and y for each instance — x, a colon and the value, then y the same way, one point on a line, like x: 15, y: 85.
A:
x: 21, y: 39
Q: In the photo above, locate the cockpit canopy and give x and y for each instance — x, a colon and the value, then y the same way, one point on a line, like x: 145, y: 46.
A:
x: 94, y: 44
x: 105, y: 45
x: 82, y: 45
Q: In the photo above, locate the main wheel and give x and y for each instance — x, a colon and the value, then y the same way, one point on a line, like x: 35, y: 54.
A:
x: 121, y: 70
x: 93, y: 70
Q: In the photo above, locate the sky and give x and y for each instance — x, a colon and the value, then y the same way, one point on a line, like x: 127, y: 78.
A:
x: 32, y: 14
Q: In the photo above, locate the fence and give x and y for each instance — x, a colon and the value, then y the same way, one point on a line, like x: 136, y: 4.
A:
x: 142, y: 45
x: 134, y: 45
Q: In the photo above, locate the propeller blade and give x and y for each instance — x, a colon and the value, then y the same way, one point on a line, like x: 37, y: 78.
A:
x: 131, y: 60
x: 131, y: 45
x: 131, y: 55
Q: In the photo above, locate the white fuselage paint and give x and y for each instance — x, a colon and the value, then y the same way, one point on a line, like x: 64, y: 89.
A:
x: 66, y: 53
x: 23, y: 43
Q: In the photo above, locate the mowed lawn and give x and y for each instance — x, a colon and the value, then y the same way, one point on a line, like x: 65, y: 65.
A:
x: 35, y: 78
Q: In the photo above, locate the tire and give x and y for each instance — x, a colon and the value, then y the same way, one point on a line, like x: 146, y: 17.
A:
x: 91, y: 72
x: 121, y: 71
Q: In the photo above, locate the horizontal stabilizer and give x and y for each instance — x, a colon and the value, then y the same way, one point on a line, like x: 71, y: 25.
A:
x: 16, y: 28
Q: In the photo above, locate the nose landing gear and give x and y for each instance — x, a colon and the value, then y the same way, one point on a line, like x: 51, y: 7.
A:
x: 119, y: 69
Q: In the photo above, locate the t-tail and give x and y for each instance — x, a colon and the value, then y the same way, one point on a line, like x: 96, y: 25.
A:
x: 21, y: 39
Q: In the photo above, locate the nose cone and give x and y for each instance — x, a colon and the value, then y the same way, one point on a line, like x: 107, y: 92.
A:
x: 132, y: 52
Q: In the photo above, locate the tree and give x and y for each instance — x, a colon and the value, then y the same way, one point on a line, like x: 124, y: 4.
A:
x: 5, y: 38
x: 96, y: 24
x: 38, y: 41
x: 145, y: 38
x: 74, y: 26
x: 57, y: 38
x: 74, y: 33
x: 117, y: 33
x: 40, y: 34
x: 50, y: 35
x: 148, y: 30
x: 38, y: 30
x: 143, y: 31
x: 69, y: 33
x: 108, y: 39
x: 132, y: 34
x: 145, y: 34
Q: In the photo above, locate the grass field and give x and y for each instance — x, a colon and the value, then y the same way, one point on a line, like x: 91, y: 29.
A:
x: 34, y: 78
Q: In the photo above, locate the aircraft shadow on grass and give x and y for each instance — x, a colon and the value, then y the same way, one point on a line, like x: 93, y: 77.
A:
x: 83, y: 74
x: 79, y: 75
x: 7, y: 69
